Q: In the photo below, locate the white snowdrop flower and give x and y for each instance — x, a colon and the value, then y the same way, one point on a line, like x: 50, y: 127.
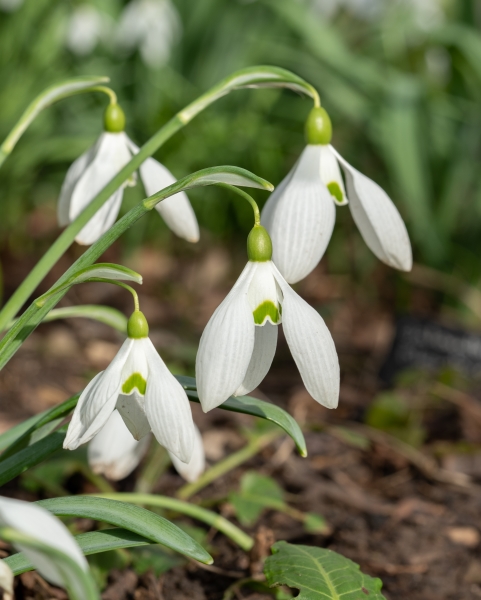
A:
x: 152, y: 26
x: 146, y: 394
x: 239, y: 342
x: 300, y: 213
x: 10, y: 5
x: 115, y: 453
x: 37, y: 523
x: 6, y: 581
x: 86, y: 27
x: 91, y: 172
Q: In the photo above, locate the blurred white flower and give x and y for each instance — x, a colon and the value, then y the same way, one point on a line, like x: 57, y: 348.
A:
x: 39, y: 524
x: 6, y: 581
x: 115, y: 453
x: 10, y: 5
x: 86, y: 27
x: 152, y: 27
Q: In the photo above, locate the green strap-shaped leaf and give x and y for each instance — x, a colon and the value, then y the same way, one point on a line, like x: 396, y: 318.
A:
x: 257, y: 408
x: 79, y: 583
x: 98, y: 271
x: 136, y: 519
x: 103, y: 314
x: 319, y: 574
x: 92, y: 542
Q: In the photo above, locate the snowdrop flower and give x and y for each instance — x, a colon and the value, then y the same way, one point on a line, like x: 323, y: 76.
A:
x: 37, y: 523
x: 10, y: 5
x: 91, y: 172
x: 300, y: 213
x: 148, y: 397
x: 86, y: 27
x: 115, y: 453
x: 152, y: 26
x: 239, y: 342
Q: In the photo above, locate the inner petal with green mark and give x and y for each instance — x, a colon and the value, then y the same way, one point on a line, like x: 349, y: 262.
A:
x: 267, y: 311
x: 135, y: 381
x: 335, y: 191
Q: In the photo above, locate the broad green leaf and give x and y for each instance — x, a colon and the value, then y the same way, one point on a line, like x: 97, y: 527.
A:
x: 257, y: 492
x: 46, y: 98
x: 319, y: 574
x: 257, y: 408
x: 31, y: 455
x: 79, y: 583
x: 136, y: 519
x: 99, y: 271
x: 92, y: 542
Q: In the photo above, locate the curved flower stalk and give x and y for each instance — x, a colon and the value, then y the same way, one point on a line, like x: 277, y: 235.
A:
x: 38, y: 524
x: 148, y: 397
x: 115, y: 453
x: 300, y: 214
x: 89, y: 174
x: 239, y: 342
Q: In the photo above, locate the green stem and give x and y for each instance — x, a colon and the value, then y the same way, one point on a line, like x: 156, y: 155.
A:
x: 120, y: 284
x: 246, y: 196
x: 231, y: 462
x: 191, y: 510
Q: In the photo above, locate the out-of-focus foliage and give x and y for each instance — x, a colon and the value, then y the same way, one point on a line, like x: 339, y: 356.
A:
x: 400, y: 78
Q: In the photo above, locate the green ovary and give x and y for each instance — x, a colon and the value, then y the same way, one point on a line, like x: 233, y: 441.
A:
x: 335, y: 191
x: 266, y: 310
x: 135, y: 381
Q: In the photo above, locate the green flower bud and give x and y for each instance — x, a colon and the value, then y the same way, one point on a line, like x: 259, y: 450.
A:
x: 137, y: 326
x: 114, y: 119
x: 259, y: 244
x: 318, y: 127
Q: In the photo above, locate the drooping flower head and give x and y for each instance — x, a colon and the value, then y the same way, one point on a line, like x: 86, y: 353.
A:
x: 145, y: 393
x: 91, y: 172
x: 300, y: 213
x: 239, y: 342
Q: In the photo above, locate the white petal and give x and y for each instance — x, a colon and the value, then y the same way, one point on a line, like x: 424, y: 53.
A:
x: 302, y: 219
x: 331, y: 175
x: 263, y: 289
x: 132, y: 411
x: 264, y: 349
x: 111, y: 154
x: 114, y: 452
x: 176, y: 211
x: 6, y: 581
x: 97, y: 401
x: 377, y: 219
x: 226, y: 345
x: 192, y: 470
x: 36, y: 522
x: 73, y: 175
x: 269, y: 207
x: 312, y: 347
x: 168, y: 408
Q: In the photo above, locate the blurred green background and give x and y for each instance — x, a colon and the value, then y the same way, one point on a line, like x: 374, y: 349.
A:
x: 400, y: 78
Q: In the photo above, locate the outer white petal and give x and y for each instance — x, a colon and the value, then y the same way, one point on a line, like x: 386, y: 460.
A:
x: 73, y: 175
x: 312, y: 347
x: 377, y: 219
x: 331, y: 174
x: 302, y: 219
x: 38, y: 523
x: 111, y: 154
x: 97, y: 401
x: 264, y: 350
x: 226, y: 345
x: 168, y: 408
x: 6, y: 581
x: 177, y: 210
x: 192, y: 470
x: 114, y: 452
x: 269, y: 207
x: 131, y: 406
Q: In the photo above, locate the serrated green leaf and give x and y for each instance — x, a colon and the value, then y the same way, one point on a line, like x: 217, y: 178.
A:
x: 98, y: 271
x: 257, y: 408
x: 92, y: 542
x: 319, y: 574
x: 128, y: 516
x: 256, y: 493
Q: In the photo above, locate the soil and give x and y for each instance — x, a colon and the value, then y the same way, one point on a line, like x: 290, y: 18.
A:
x: 406, y: 514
